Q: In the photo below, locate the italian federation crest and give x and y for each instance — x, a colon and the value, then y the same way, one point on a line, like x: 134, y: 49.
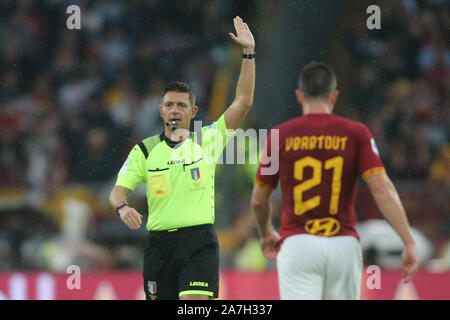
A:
x: 195, y: 174
x: 151, y: 286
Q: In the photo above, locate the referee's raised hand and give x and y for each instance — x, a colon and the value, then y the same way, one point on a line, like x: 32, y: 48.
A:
x: 243, y: 35
x: 130, y: 217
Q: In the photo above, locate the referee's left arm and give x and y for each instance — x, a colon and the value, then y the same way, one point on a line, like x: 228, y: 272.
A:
x: 243, y: 100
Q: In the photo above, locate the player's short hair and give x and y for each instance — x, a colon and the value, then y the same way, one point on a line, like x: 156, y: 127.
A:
x: 178, y: 86
x: 317, y: 80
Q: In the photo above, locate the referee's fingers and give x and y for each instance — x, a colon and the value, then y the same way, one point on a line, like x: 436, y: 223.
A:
x: 135, y: 218
x: 131, y: 220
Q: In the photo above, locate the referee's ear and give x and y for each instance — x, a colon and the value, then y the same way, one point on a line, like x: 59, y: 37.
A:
x: 194, y: 111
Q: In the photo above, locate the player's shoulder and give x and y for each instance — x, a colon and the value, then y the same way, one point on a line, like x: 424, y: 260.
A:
x: 311, y: 120
x: 288, y: 123
x: 350, y: 123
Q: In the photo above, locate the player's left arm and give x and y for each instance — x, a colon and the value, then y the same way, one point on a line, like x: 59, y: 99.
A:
x: 243, y: 100
x: 390, y: 205
x: 387, y: 200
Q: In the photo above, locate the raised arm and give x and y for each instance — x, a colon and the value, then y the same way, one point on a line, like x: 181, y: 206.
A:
x: 243, y: 100
x: 390, y: 205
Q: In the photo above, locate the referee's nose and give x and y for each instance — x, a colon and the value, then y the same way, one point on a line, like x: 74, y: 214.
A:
x: 175, y: 114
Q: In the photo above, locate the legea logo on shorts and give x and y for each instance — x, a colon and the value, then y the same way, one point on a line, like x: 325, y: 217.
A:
x: 198, y: 284
x: 326, y: 227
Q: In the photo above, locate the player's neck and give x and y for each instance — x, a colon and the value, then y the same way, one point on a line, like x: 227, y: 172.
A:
x: 317, y: 108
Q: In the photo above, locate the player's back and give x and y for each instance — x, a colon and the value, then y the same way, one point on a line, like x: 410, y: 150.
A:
x: 320, y: 156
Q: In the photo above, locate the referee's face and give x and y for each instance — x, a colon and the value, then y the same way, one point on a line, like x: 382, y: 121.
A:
x: 177, y: 106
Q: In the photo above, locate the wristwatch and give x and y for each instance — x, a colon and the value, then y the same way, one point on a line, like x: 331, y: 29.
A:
x: 120, y: 205
x: 249, y: 55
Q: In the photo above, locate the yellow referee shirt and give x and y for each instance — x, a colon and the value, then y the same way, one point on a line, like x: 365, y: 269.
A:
x: 180, y: 180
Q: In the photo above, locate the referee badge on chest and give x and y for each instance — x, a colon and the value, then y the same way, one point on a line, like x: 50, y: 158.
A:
x: 195, y: 178
x: 195, y: 174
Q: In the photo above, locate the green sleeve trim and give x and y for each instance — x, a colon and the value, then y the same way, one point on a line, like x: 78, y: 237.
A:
x: 201, y: 292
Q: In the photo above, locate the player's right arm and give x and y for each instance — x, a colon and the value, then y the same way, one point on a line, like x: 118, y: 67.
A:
x: 390, y: 206
x: 260, y: 203
x: 130, y: 176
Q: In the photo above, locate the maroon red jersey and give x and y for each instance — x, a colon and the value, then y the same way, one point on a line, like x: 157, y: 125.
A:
x: 320, y: 157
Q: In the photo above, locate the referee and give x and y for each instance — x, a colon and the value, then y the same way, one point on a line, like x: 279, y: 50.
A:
x: 181, y: 259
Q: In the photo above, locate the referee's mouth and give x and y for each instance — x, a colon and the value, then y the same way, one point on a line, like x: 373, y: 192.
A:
x: 173, y: 122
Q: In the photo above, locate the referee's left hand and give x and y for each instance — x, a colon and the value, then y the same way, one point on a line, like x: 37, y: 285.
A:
x: 130, y: 217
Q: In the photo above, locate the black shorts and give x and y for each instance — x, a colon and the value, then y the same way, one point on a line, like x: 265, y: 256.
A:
x: 180, y: 262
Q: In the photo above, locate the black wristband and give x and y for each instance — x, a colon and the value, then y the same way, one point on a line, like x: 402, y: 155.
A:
x: 120, y: 205
x: 249, y: 55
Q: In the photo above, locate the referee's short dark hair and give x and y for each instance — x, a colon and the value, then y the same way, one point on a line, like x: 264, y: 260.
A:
x: 317, y: 80
x: 178, y: 86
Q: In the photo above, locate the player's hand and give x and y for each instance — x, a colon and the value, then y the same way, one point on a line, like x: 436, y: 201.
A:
x: 244, y: 37
x: 410, y: 262
x: 130, y: 217
x: 269, y: 243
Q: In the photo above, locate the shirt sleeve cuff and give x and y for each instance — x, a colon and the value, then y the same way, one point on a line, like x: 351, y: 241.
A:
x: 125, y: 184
x: 263, y: 185
x: 373, y: 171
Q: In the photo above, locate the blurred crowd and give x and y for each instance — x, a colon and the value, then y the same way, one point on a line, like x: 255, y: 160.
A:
x: 73, y: 102
x: 401, y: 86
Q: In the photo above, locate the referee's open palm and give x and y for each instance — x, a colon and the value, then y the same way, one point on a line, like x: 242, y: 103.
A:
x: 130, y: 217
x: 244, y: 36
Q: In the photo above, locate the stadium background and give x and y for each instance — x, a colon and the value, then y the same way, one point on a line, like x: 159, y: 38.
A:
x: 73, y: 102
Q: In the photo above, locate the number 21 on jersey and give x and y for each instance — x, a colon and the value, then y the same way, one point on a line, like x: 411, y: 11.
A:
x: 336, y: 164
